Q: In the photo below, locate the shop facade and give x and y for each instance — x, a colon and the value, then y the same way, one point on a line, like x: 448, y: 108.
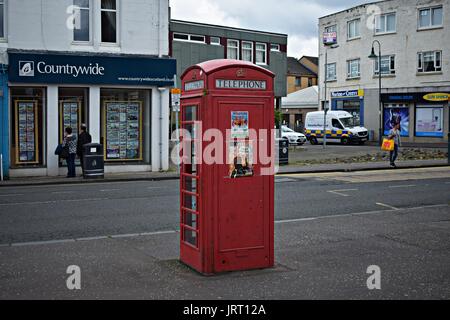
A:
x: 351, y: 101
x: 123, y: 100
x: 423, y: 116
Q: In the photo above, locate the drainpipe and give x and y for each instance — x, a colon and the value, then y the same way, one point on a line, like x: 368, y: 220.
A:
x: 1, y: 167
x: 161, y: 91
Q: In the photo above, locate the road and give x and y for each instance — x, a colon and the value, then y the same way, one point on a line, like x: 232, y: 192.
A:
x: 48, y: 213
x: 329, y: 229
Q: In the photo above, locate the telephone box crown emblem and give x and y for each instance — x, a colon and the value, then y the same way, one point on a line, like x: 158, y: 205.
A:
x: 240, y: 73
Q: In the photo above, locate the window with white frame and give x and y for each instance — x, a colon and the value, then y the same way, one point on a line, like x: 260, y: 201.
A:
x: 353, y: 29
x: 189, y: 37
x: 82, y: 21
x: 233, y: 49
x: 109, y: 21
x: 215, y: 41
x: 430, y: 17
x: 275, y: 47
x: 331, y: 72
x: 385, y: 23
x: 429, y: 61
x: 387, y: 65
x: 353, y: 68
x: 247, y: 51
x: 2, y: 19
x: 261, y: 53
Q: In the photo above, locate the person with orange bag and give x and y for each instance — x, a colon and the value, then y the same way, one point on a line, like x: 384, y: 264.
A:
x: 394, y: 134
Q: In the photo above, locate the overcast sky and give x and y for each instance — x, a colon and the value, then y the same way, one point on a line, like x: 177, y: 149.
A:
x: 297, y: 18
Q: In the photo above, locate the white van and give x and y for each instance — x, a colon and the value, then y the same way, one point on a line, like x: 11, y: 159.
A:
x: 340, y: 127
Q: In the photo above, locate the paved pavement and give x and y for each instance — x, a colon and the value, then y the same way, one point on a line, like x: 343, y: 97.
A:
x: 330, y: 227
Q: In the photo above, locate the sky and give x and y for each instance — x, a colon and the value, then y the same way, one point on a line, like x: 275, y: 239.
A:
x: 296, y: 18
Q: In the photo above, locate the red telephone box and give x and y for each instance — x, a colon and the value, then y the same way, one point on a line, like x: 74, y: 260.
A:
x: 227, y: 184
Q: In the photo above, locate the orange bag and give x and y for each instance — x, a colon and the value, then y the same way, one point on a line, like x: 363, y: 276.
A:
x: 388, y: 145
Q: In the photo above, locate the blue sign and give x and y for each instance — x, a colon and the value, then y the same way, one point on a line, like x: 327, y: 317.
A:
x: 91, y: 69
x: 346, y: 94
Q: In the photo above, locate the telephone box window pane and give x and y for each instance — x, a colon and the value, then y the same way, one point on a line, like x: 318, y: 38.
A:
x: 190, y: 184
x: 190, y: 219
x: 190, y: 237
x: 190, y: 202
x: 190, y: 113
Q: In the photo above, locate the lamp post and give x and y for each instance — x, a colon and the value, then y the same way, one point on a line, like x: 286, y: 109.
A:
x: 325, y: 109
x: 373, y: 56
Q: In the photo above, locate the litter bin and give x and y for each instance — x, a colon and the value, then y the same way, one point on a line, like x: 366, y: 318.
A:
x: 94, y: 167
x: 283, y: 152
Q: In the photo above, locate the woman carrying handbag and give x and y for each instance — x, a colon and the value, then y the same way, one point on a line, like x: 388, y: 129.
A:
x: 69, y: 149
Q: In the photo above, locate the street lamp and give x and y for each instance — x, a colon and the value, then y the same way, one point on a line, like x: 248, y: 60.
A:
x: 373, y: 56
x: 325, y: 109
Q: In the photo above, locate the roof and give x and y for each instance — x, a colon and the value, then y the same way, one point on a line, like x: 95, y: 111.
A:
x: 314, y: 60
x: 294, y: 67
x: 218, y: 64
x: 354, y: 7
x: 306, y: 98
x: 228, y: 28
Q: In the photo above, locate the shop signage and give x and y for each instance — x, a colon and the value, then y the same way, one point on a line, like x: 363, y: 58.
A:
x: 90, y: 69
x: 348, y: 94
x: 241, y: 84
x: 329, y: 38
x: 435, y: 97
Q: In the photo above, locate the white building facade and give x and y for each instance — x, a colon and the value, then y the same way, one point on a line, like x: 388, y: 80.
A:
x: 415, y: 66
x: 100, y: 62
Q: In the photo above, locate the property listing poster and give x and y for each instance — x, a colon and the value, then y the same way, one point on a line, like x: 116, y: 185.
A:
x: 71, y: 116
x: 393, y: 115
x: 26, y: 125
x: 430, y: 121
x: 240, y: 158
x: 123, y: 131
x: 239, y: 124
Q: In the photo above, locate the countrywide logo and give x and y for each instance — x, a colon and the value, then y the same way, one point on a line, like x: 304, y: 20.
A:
x: 26, y: 68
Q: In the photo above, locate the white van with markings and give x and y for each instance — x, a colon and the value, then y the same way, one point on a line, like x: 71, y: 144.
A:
x: 340, y: 127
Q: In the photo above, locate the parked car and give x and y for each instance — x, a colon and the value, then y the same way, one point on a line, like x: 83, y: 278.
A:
x: 295, y: 138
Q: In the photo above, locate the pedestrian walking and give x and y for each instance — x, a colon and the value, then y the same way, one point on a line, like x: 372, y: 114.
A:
x: 394, y: 134
x: 83, y: 138
x: 70, y: 142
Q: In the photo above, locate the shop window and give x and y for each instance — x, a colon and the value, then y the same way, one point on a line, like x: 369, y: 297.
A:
x: 233, y: 49
x: 247, y: 51
x: 394, y: 113
x: 109, y: 21
x: 27, y: 114
x: 81, y: 31
x: 73, y: 104
x: 429, y: 61
x: 261, y: 53
x: 125, y: 125
x: 430, y: 121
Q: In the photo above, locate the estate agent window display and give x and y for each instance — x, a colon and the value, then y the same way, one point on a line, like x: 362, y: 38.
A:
x: 27, y: 127
x: 122, y: 125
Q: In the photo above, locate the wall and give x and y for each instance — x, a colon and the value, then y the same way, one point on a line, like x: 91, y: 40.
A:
x: 291, y: 87
x: 4, y: 120
x: 41, y: 25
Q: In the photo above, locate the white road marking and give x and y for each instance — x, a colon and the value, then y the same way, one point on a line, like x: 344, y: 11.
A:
x: 51, y: 202
x: 109, y: 190
x: 156, y: 233
x: 64, y: 192
x: 387, y: 206
x: 404, y: 186
x: 340, y: 192
x: 12, y: 195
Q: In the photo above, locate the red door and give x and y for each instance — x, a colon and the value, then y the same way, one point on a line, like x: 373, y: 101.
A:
x: 242, y: 223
